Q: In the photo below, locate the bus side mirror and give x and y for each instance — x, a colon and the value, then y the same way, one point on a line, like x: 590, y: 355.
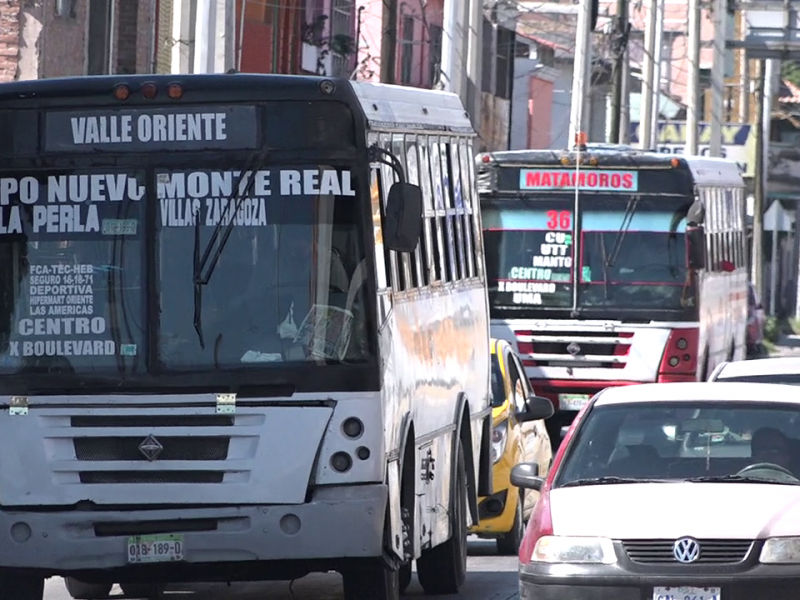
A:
x: 403, y: 224
x: 696, y: 247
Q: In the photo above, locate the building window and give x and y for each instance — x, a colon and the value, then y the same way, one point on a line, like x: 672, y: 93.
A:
x: 98, y: 48
x: 435, y: 53
x: 407, y: 50
x: 342, y: 44
x: 487, y: 55
x: 504, y: 61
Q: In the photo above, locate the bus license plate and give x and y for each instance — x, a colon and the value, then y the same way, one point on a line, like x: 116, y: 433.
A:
x: 572, y: 401
x: 155, y: 548
x: 686, y: 593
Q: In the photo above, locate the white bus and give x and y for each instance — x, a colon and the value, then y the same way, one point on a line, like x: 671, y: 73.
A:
x: 614, y: 267
x: 234, y: 345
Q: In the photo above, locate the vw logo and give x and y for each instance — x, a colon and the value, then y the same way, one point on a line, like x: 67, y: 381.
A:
x: 573, y: 349
x: 151, y: 448
x: 686, y: 550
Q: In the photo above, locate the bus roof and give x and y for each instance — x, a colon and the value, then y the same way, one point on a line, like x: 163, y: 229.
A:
x: 705, y: 170
x: 397, y: 107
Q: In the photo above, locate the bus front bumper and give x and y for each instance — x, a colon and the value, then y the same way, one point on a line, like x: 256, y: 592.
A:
x: 339, y: 522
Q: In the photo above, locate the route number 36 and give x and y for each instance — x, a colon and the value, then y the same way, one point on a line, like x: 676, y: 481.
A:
x: 559, y: 219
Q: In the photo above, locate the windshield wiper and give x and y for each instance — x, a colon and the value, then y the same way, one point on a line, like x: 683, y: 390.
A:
x: 737, y: 479
x: 609, y: 481
x: 208, y: 259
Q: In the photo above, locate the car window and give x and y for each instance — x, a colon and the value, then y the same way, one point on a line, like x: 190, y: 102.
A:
x: 783, y: 378
x: 517, y: 379
x: 498, y: 391
x: 681, y: 440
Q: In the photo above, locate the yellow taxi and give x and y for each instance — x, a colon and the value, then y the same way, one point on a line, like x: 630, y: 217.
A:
x: 519, y: 435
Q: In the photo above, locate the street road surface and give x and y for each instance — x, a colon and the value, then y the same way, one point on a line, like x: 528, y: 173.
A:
x: 489, y: 577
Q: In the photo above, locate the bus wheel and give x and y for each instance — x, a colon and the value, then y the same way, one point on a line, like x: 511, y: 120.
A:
x: 143, y: 591
x: 80, y: 590
x: 442, y: 570
x: 16, y: 586
x: 405, y: 576
x: 508, y: 544
x: 378, y: 581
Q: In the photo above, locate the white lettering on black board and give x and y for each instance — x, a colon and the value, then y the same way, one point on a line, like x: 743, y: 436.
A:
x: 144, y: 130
x: 224, y: 197
x: 62, y: 203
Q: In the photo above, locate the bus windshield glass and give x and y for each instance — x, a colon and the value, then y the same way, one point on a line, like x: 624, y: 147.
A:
x: 632, y: 252
x: 98, y: 264
x: 529, y: 251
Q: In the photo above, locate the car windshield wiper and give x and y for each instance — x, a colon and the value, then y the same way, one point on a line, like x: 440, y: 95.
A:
x: 738, y: 479
x: 205, y: 264
x: 608, y: 481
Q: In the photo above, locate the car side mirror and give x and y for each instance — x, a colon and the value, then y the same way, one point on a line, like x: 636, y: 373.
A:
x: 403, y: 224
x: 536, y: 407
x: 696, y: 247
x: 526, y: 476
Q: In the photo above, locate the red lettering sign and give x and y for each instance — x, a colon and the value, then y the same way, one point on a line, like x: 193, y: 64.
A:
x: 559, y: 219
x: 591, y: 179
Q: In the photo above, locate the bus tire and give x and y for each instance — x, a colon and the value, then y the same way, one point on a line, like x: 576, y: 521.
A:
x: 377, y: 581
x: 18, y: 586
x: 442, y: 570
x: 405, y: 576
x: 508, y: 543
x: 81, y: 590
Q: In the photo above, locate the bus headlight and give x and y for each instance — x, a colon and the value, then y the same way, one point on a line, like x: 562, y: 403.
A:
x: 499, y: 439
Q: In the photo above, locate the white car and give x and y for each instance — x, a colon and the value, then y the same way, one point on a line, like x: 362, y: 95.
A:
x: 640, y: 504
x: 781, y: 369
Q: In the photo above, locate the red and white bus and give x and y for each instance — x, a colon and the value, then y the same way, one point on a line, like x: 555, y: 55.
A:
x: 612, y: 266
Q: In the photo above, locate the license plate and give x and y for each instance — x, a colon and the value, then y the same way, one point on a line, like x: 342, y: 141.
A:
x: 572, y: 401
x: 686, y: 593
x: 155, y: 548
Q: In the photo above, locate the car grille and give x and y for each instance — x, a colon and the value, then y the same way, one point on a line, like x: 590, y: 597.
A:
x: 648, y: 552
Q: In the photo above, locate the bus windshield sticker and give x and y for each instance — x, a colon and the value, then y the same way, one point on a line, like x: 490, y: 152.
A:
x: 587, y: 179
x: 183, y: 196
x: 64, y: 206
x: 151, y: 129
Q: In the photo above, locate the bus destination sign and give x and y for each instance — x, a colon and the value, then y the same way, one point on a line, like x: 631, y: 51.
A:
x: 588, y: 179
x: 148, y: 130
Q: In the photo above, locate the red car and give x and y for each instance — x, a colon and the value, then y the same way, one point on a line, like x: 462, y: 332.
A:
x: 756, y: 322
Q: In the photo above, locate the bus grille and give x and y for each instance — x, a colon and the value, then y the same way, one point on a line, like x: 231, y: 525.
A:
x: 648, y: 552
x: 596, y: 349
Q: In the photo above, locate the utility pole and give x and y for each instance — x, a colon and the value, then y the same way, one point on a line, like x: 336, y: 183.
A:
x: 718, y: 78
x: 389, y: 41
x: 693, y: 105
x: 448, y: 77
x: 474, y: 54
x: 744, y: 72
x: 620, y: 45
x: 658, y: 47
x: 760, y: 175
x: 646, y: 115
x: 581, y: 73
x: 625, y: 120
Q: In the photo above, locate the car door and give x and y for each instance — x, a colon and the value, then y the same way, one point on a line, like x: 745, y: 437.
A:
x: 536, y: 441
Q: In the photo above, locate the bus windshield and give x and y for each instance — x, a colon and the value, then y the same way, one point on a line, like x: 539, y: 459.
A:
x: 630, y: 249
x: 632, y: 252
x: 95, y: 281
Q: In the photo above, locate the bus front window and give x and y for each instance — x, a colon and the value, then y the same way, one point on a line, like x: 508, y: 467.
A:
x: 635, y: 261
x: 529, y: 252
x: 286, y: 287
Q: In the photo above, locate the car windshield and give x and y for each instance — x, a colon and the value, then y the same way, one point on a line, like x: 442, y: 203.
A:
x: 498, y: 390
x: 686, y: 440
x: 633, y: 252
x: 288, y: 286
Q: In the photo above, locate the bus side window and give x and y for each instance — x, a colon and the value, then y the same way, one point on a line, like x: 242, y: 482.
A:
x: 449, y: 219
x: 387, y: 179
x: 466, y: 189
x: 438, y: 200
x: 477, y: 232
x: 412, y: 172
x: 431, y: 242
x: 403, y: 259
x: 458, y: 203
x: 381, y: 254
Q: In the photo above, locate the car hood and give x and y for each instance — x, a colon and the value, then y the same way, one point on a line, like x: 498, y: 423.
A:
x: 672, y: 510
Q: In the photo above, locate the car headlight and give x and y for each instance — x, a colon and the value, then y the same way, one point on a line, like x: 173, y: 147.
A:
x: 499, y: 439
x: 563, y: 549
x: 781, y: 550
